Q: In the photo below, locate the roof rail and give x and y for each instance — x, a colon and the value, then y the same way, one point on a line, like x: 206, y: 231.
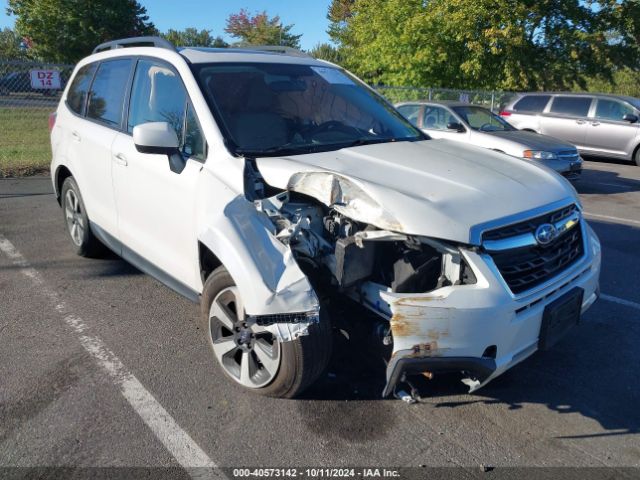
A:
x: 274, y: 49
x: 135, y: 42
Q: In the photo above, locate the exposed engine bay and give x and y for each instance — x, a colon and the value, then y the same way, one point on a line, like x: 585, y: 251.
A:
x: 344, y: 257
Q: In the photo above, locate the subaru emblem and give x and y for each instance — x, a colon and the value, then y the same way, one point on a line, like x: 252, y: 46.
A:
x: 545, y: 234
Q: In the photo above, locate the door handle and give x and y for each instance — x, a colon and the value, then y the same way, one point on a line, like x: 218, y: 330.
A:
x: 76, y: 136
x: 580, y: 122
x: 121, y: 159
x: 595, y: 124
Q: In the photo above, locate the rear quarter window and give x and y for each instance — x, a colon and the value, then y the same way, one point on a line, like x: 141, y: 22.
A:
x: 77, y: 95
x: 571, y: 106
x: 532, y: 103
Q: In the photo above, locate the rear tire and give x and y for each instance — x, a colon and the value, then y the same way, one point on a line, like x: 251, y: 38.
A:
x: 299, y: 362
x: 77, y: 221
x: 636, y: 157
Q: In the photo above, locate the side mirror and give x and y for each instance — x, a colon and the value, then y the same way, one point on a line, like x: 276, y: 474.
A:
x: 161, y: 139
x: 458, y: 127
x: 155, y: 137
x: 629, y: 117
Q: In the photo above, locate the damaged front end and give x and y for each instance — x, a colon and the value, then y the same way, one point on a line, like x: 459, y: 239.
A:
x: 352, y: 247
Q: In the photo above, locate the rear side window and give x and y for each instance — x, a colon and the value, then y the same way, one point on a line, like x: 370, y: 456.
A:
x: 77, y: 95
x: 532, y: 103
x: 106, y: 99
x: 571, y: 106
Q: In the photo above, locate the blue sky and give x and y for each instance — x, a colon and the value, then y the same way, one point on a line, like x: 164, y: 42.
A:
x: 308, y: 16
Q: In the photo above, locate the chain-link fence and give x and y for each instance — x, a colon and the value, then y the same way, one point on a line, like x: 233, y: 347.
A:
x: 493, y: 100
x: 29, y: 92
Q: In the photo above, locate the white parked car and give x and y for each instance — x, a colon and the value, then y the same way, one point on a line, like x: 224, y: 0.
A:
x: 479, y: 126
x: 269, y: 186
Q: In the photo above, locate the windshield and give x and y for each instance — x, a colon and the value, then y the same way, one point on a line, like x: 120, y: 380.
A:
x: 282, y: 109
x: 481, y: 119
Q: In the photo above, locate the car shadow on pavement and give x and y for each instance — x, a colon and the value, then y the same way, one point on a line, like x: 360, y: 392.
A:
x: 598, y: 182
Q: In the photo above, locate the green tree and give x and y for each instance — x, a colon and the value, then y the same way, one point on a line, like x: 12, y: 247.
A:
x: 507, y: 44
x: 326, y: 51
x: 67, y: 30
x: 11, y: 45
x: 191, y: 37
x: 259, y: 29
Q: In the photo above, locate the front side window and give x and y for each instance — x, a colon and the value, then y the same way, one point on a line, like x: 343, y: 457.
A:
x: 276, y: 109
x: 79, y: 88
x: 194, y: 143
x: 437, y: 118
x: 157, y: 95
x: 532, y: 103
x: 483, y: 120
x: 106, y: 99
x: 410, y: 112
x: 612, y: 110
x: 571, y: 106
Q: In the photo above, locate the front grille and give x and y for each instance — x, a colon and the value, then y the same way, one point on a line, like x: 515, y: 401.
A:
x: 526, y: 267
x: 571, y: 155
x: 528, y: 226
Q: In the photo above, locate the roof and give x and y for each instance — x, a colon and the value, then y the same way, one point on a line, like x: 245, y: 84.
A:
x: 583, y: 94
x: 446, y: 103
x: 253, y: 54
x: 213, y: 55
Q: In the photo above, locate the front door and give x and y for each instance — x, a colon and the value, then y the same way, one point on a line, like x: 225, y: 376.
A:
x: 608, y: 133
x: 156, y: 206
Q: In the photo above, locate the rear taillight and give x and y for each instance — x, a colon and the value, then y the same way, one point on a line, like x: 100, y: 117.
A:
x: 52, y: 120
x: 504, y: 113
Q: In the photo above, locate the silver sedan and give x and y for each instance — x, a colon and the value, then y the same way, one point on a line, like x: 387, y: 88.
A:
x: 476, y: 125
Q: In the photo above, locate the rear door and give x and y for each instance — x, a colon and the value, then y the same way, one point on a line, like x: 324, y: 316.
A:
x: 156, y: 207
x: 91, y: 128
x: 608, y: 133
x: 567, y: 118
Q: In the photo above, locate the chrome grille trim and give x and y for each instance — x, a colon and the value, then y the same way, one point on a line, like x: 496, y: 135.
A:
x: 522, y: 263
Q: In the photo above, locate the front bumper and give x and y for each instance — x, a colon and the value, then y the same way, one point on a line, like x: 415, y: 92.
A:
x: 570, y: 169
x: 480, y: 329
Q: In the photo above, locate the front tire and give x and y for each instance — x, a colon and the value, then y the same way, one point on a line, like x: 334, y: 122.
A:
x: 636, y: 157
x: 249, y: 354
x: 77, y: 221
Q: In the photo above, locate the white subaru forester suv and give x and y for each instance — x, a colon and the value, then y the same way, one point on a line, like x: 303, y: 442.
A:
x: 268, y: 186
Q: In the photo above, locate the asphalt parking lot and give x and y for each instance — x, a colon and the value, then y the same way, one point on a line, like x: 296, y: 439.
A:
x: 102, y: 366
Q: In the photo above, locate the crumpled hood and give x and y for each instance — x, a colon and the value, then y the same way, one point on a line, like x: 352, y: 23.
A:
x: 434, y: 188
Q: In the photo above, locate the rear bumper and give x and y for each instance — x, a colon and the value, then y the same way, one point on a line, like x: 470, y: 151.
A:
x: 482, y: 329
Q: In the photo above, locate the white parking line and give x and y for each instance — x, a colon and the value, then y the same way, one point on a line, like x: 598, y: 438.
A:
x: 178, y: 442
x: 614, y: 219
x: 620, y: 301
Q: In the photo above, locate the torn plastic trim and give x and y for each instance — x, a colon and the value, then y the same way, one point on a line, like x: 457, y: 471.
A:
x: 287, y: 326
x: 407, y: 362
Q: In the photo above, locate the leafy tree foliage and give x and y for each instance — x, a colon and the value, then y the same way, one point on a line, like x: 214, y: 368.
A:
x: 67, y: 30
x: 192, y: 37
x: 504, y: 44
x: 11, y: 45
x: 326, y: 51
x: 259, y: 29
